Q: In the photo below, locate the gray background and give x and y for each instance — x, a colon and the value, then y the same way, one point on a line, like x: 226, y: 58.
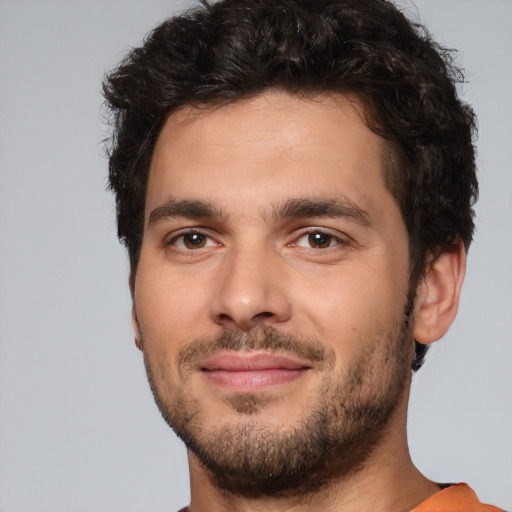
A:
x: 78, y: 427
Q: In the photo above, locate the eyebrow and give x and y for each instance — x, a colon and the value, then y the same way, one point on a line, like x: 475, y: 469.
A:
x: 328, y: 208
x: 292, y: 208
x: 183, y: 208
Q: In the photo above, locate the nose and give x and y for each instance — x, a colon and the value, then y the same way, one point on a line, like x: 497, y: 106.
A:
x: 251, y: 292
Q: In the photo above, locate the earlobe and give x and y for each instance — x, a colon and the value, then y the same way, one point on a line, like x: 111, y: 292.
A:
x: 136, y: 329
x: 438, y: 294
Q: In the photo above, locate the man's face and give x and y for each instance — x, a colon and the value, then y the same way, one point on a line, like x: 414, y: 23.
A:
x: 271, y: 290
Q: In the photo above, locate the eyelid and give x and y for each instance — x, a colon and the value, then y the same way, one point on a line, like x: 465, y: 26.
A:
x: 341, y: 238
x: 171, y: 239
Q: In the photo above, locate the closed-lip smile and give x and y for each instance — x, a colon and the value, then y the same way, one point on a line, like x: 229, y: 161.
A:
x: 251, y: 371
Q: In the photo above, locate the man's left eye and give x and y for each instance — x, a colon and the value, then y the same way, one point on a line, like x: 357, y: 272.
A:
x: 317, y: 240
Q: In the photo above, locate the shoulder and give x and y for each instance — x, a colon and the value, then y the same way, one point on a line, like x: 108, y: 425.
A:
x: 455, y: 498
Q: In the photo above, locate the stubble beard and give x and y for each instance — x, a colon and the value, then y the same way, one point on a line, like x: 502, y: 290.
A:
x: 333, y: 441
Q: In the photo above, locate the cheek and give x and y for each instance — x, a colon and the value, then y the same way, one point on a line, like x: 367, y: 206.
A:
x: 169, y: 310
x: 350, y: 299
x: 350, y: 310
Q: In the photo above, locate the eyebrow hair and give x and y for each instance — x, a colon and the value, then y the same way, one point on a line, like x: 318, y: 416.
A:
x: 293, y: 208
x: 341, y: 207
x: 183, y: 208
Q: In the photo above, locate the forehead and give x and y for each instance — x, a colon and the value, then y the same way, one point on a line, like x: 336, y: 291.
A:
x: 267, y: 147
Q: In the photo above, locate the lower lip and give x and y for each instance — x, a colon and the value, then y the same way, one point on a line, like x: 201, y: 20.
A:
x: 253, y: 380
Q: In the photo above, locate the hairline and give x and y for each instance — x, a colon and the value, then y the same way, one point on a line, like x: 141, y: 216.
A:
x: 391, y: 155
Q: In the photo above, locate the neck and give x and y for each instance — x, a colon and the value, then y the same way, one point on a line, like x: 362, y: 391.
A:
x: 387, y: 481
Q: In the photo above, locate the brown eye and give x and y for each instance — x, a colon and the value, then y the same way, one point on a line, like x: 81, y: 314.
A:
x: 190, y: 241
x: 319, y: 240
x: 194, y: 240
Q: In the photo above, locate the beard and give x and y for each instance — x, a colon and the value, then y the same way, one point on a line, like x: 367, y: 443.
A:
x: 346, y: 419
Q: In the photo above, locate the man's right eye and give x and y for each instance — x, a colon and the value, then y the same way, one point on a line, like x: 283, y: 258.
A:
x: 192, y: 240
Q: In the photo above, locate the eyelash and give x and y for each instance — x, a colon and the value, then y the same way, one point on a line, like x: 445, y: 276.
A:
x: 308, y: 233
x: 181, y: 236
x: 319, y: 231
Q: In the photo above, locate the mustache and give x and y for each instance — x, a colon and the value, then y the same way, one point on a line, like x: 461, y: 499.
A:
x: 267, y: 339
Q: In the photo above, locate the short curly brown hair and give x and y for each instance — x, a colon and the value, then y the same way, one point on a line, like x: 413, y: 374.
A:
x: 235, y: 49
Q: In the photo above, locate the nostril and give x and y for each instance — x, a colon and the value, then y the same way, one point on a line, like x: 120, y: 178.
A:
x: 264, y: 314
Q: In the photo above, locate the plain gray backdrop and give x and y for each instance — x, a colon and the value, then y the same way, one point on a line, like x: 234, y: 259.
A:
x: 78, y: 427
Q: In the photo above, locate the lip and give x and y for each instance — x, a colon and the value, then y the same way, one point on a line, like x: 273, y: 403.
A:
x: 246, y: 372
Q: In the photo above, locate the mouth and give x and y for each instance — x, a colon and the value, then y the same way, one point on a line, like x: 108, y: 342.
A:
x: 250, y: 371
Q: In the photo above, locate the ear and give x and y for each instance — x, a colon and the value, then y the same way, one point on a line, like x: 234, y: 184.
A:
x: 438, y: 294
x: 136, y: 328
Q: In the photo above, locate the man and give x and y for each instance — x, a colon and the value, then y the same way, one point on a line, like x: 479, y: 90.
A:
x: 294, y: 183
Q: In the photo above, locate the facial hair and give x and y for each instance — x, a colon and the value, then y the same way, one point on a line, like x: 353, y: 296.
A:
x: 337, y: 436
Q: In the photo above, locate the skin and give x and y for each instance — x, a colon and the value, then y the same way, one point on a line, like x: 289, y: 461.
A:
x: 255, y: 267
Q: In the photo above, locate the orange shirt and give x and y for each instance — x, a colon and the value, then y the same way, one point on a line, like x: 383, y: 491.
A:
x: 456, y: 498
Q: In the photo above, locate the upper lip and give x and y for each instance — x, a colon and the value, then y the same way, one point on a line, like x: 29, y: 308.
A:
x: 251, y: 361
